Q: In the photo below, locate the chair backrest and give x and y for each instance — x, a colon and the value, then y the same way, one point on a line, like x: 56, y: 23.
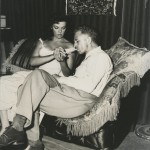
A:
x: 21, y: 53
x: 128, y: 57
x: 22, y: 56
x: 130, y: 64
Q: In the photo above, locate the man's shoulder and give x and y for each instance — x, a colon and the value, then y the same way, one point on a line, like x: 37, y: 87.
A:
x: 100, y: 57
x: 100, y: 53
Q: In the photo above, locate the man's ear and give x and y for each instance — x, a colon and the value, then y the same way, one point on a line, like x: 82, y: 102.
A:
x: 89, y: 40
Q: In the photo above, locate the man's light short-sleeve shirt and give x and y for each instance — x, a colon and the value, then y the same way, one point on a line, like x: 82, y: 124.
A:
x: 92, y: 74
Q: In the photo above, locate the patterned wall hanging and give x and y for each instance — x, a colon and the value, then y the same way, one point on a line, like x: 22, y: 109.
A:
x: 91, y: 7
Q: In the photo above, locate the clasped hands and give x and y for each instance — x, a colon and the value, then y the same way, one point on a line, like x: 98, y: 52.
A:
x: 60, y: 54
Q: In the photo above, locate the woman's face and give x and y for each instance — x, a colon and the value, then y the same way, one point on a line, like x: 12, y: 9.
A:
x: 59, y: 29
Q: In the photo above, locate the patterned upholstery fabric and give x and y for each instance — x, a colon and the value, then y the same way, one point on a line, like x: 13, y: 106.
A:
x: 130, y: 64
x: 20, y: 56
x: 127, y: 57
x: 106, y: 108
x: 23, y: 54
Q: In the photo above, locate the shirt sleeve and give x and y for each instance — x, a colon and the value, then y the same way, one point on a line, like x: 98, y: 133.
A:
x: 87, y: 79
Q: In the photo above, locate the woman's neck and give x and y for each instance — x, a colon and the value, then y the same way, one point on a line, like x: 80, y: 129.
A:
x: 54, y: 39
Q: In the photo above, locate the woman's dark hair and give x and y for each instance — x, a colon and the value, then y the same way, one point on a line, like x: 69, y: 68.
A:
x: 59, y: 18
x: 55, y: 18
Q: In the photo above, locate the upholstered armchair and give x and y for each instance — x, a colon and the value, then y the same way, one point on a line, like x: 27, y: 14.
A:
x: 96, y: 128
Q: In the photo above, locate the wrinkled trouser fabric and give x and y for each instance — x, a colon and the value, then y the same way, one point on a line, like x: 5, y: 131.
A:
x: 41, y: 89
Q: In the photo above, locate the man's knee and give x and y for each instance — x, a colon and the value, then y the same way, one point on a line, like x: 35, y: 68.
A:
x: 37, y: 73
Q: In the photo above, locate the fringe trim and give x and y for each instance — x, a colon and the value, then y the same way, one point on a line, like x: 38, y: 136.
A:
x: 89, y: 124
x: 107, y: 111
x: 14, y: 68
x: 7, y: 64
x: 132, y: 80
x: 145, y: 63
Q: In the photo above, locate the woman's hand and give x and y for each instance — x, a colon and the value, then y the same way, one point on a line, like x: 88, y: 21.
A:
x: 60, y: 54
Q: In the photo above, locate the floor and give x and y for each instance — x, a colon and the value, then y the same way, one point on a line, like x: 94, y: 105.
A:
x: 131, y: 142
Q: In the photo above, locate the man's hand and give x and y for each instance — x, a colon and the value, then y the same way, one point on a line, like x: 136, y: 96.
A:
x: 60, y: 54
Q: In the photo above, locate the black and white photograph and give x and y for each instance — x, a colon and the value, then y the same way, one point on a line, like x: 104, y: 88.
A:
x: 74, y: 74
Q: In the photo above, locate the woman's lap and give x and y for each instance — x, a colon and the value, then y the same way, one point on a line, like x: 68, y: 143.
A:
x: 8, y: 89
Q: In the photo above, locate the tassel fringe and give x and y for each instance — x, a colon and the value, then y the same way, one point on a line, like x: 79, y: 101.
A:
x: 103, y: 111
x: 131, y: 81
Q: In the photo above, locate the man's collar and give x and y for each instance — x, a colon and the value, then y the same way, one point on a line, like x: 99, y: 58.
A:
x: 95, y: 50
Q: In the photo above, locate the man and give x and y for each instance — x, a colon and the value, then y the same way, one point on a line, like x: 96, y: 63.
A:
x: 64, y: 97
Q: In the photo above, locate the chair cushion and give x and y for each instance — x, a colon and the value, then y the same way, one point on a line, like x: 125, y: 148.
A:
x: 106, y: 107
x: 127, y: 57
x: 130, y: 64
x: 20, y: 55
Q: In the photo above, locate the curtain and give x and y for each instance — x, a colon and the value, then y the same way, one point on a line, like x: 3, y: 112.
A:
x: 136, y: 29
x: 136, y: 22
x: 109, y: 27
x: 29, y: 18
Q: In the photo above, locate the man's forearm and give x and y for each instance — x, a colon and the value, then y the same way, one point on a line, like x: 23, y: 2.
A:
x: 65, y: 69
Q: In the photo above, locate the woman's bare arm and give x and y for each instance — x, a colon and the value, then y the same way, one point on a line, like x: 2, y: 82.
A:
x: 37, y: 60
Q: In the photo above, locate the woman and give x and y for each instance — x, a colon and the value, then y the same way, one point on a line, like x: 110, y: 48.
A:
x: 49, y: 55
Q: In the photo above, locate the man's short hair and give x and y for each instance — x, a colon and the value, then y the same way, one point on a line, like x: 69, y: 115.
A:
x: 88, y: 30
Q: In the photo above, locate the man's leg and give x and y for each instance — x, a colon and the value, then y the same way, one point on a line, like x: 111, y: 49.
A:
x: 33, y: 134
x: 32, y: 92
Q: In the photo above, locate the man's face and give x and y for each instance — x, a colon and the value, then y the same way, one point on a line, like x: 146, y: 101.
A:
x: 80, y: 42
x: 59, y: 29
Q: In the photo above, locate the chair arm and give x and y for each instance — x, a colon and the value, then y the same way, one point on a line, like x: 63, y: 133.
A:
x: 105, y: 109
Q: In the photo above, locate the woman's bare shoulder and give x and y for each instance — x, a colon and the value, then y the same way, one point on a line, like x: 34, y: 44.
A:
x: 67, y: 43
x: 47, y: 42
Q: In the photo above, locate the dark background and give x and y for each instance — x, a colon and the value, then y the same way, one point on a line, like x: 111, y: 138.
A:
x: 29, y: 19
